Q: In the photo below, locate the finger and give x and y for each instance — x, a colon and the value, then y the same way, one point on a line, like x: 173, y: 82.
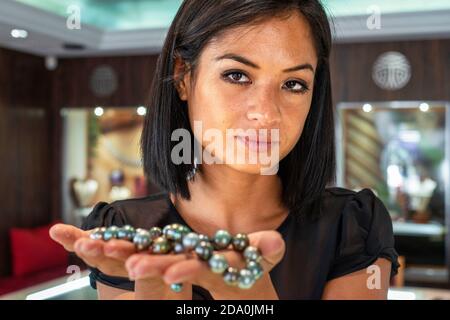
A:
x: 271, y: 245
x: 142, y: 265
x: 119, y: 249
x: 91, y: 251
x: 66, y: 235
x: 188, y: 271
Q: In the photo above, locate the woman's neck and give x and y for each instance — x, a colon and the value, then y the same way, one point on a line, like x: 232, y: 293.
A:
x: 222, y: 197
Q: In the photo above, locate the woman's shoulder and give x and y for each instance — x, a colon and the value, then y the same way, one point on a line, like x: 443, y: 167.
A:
x: 143, y: 212
x: 362, y: 227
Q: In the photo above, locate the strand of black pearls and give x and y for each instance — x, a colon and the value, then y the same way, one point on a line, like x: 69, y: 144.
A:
x: 177, y: 238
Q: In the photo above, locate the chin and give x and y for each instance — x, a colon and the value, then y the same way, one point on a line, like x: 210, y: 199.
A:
x: 256, y: 169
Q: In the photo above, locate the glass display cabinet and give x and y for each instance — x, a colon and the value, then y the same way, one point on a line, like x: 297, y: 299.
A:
x: 401, y: 151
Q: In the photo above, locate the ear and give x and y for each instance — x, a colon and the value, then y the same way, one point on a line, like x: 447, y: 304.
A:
x: 181, y: 76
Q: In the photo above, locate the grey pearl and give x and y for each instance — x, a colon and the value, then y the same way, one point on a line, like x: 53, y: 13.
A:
x: 178, y: 247
x: 222, y: 239
x: 174, y: 231
x: 127, y: 232
x: 252, y: 254
x: 204, y: 250
x: 155, y: 232
x: 97, y: 233
x: 231, y: 276
x: 191, y: 240
x: 255, y: 268
x: 176, y: 287
x: 203, y: 237
x: 142, y: 239
x: 218, y: 263
x: 246, y: 279
x: 160, y: 245
x: 240, y: 241
x: 110, y: 233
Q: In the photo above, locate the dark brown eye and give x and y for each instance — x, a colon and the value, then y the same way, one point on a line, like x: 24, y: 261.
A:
x: 296, y: 86
x: 236, y: 77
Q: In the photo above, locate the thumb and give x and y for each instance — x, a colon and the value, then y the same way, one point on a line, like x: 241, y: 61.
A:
x: 271, y: 245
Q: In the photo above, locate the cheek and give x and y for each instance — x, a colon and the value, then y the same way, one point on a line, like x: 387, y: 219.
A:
x: 215, y: 107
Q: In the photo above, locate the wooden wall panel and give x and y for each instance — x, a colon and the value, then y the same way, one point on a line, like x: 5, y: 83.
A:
x: 352, y: 71
x: 25, y: 98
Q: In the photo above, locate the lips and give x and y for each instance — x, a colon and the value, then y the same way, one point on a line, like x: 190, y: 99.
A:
x: 256, y: 144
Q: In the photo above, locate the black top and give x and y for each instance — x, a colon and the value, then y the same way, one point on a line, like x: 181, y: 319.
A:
x: 353, y: 232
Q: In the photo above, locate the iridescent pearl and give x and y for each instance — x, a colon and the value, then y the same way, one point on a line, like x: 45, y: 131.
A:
x: 246, y: 279
x: 221, y: 239
x: 160, y: 245
x: 218, y: 263
x: 110, y: 233
x: 231, y: 276
x: 204, y: 250
x: 252, y: 254
x: 203, y: 237
x: 255, y: 268
x: 97, y: 233
x: 176, y: 287
x: 240, y: 242
x: 155, y: 232
x: 190, y: 240
x: 178, y: 247
x: 174, y: 231
x: 127, y: 232
x: 142, y: 239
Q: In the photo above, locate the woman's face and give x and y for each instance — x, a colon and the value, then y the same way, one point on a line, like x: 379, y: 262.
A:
x: 253, y: 77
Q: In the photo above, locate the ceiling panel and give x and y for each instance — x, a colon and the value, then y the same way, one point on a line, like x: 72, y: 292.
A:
x: 143, y: 14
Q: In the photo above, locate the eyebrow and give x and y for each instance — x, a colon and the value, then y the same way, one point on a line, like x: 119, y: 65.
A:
x: 241, y: 59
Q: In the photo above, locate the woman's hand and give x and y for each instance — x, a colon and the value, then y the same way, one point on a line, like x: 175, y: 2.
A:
x: 195, y: 271
x: 109, y: 257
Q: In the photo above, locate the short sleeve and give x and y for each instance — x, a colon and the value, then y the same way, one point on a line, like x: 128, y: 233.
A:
x: 364, y: 235
x: 105, y: 215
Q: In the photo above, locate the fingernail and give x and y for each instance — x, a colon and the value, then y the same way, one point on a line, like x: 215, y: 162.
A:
x: 131, y: 275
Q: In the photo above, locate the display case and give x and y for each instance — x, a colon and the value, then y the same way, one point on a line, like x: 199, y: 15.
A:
x: 401, y: 151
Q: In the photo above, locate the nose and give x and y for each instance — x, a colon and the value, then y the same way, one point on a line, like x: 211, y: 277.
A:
x: 264, y: 108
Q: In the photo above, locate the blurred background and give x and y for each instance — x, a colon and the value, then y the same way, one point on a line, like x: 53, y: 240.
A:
x: 74, y: 81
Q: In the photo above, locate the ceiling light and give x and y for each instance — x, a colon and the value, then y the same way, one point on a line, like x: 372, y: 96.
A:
x: 19, y: 33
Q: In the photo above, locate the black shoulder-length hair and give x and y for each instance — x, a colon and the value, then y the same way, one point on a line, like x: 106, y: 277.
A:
x: 309, y: 167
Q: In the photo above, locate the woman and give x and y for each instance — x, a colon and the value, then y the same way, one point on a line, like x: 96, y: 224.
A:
x: 260, y: 65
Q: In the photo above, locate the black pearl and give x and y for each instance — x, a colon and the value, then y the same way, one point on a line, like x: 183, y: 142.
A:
x: 178, y: 247
x: 97, y: 233
x: 204, y: 250
x: 160, y: 245
x: 221, y: 239
x: 174, y: 231
x: 231, y: 276
x: 240, y: 242
x: 110, y: 233
x: 176, y: 287
x: 155, y: 232
x: 252, y: 254
x: 255, y: 268
x: 203, y: 237
x: 190, y: 240
x: 218, y: 263
x: 246, y: 279
x: 142, y: 239
x: 126, y: 232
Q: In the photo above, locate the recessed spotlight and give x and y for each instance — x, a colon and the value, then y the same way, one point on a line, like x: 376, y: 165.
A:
x: 141, y: 110
x: 424, y: 107
x: 367, y: 107
x: 98, y: 111
x: 19, y: 33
